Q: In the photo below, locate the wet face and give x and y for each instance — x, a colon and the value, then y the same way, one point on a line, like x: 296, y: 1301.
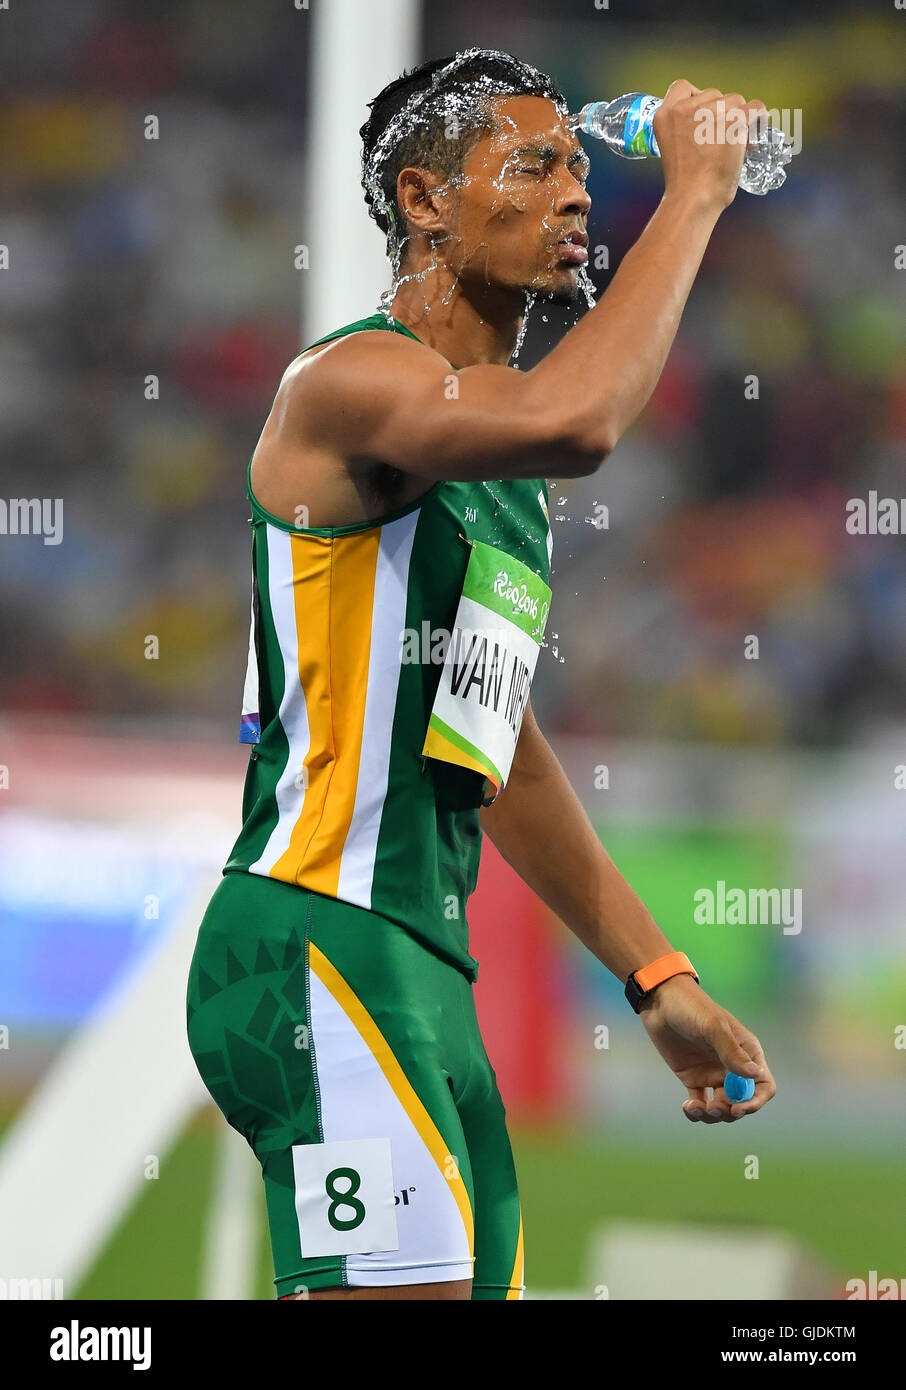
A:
x: 521, y: 207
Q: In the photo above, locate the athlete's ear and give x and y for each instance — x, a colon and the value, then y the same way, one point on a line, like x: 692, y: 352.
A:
x: 425, y: 200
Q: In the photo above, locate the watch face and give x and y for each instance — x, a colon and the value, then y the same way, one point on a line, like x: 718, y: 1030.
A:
x: 633, y: 993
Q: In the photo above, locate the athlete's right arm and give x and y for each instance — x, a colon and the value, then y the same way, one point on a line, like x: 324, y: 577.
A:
x: 383, y: 396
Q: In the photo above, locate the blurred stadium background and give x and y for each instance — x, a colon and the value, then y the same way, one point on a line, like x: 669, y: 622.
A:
x: 177, y: 257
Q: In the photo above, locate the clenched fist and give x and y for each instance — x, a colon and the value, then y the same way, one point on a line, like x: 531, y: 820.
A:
x: 698, y: 133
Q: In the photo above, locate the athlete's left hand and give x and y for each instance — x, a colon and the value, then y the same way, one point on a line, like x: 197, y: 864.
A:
x: 701, y: 1042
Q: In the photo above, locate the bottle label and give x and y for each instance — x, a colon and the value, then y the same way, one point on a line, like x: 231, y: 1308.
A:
x: 639, y: 139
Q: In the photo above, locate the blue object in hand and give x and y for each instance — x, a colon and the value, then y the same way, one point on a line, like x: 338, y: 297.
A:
x: 738, y: 1087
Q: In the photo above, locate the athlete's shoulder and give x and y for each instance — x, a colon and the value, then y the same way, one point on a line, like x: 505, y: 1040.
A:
x: 340, y: 387
x: 358, y: 355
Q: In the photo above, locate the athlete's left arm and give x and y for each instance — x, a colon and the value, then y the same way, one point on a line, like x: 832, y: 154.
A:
x: 540, y: 827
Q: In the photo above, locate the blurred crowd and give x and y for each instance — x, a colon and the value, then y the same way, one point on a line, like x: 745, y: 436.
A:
x: 152, y: 302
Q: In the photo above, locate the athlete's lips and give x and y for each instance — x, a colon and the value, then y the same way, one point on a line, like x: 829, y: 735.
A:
x: 572, y: 247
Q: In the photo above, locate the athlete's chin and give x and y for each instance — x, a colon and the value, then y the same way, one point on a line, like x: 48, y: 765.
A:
x: 563, y: 294
x: 558, y: 290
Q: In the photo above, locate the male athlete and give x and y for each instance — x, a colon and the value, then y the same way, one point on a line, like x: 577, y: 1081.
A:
x: 398, y: 489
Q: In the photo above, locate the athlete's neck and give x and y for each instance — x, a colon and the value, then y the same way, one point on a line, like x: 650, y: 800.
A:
x: 466, y: 323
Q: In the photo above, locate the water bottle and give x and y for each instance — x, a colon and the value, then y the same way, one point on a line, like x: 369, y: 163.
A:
x: 626, y: 127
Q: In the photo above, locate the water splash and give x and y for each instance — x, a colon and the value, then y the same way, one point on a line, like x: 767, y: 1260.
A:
x: 520, y: 337
x: 468, y: 109
x: 465, y: 109
x: 500, y: 504
x: 530, y: 540
x: 587, y: 286
x: 419, y: 276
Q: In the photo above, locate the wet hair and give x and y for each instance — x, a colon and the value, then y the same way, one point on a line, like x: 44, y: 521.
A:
x: 410, y: 120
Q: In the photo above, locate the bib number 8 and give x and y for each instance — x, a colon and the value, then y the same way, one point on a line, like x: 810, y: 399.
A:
x: 346, y: 1199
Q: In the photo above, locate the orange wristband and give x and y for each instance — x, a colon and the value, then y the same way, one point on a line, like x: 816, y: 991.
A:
x: 642, y: 982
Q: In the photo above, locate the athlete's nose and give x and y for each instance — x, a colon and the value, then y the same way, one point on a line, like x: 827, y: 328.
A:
x: 572, y: 197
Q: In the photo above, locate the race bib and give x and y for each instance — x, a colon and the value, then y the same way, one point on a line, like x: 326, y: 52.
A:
x: 488, y: 665
x: 344, y: 1197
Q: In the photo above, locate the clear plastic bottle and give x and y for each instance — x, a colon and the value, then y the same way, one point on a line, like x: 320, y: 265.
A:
x: 625, y: 126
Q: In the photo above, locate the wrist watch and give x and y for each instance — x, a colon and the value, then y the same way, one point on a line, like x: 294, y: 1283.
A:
x: 642, y: 982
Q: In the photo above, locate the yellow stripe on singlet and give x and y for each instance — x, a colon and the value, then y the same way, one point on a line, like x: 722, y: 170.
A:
x: 333, y: 600
x: 380, y: 1049
x: 517, y: 1278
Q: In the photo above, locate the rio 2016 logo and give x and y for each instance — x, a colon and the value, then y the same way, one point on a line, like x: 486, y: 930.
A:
x: 522, y: 600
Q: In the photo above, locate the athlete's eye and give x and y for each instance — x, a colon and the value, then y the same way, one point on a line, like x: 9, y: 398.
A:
x: 530, y: 169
